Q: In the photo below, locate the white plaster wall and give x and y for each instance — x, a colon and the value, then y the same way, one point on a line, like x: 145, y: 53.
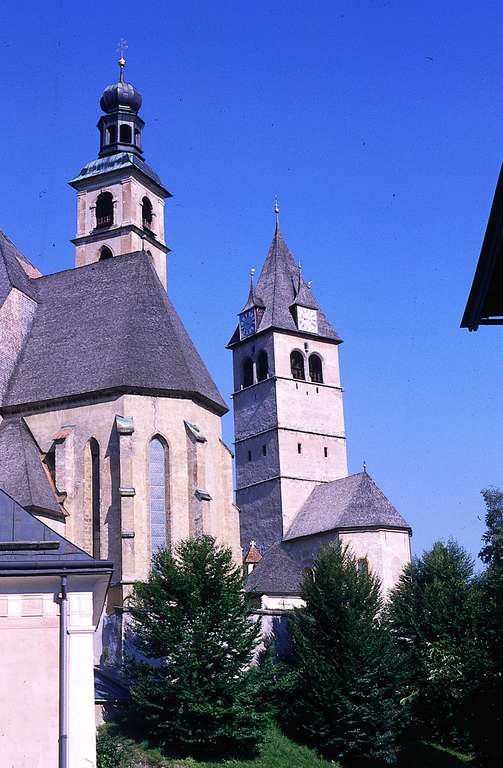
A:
x: 387, y: 551
x: 29, y: 649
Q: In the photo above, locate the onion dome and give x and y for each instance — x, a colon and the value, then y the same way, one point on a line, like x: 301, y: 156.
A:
x: 121, y: 95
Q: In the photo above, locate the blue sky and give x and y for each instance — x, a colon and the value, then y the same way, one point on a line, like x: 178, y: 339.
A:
x: 379, y: 125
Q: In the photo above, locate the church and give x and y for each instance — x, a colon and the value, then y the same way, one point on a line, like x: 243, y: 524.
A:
x: 110, y: 424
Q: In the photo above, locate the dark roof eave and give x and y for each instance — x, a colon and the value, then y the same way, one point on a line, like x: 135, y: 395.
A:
x: 219, y: 409
x: 491, y: 247
x: 56, y: 567
x: 78, y: 182
x: 301, y: 334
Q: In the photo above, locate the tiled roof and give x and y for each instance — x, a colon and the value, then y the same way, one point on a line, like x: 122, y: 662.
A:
x: 279, y: 284
x: 253, y: 555
x: 278, y: 573
x: 12, y: 272
x: 350, y: 502
x: 22, y: 474
x: 108, y: 326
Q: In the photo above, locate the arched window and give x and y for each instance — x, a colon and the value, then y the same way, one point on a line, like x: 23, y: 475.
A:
x: 112, y: 134
x: 105, y: 253
x: 104, y: 210
x: 248, y: 372
x: 362, y: 566
x: 158, y: 493
x: 146, y: 213
x: 262, y: 366
x: 315, y: 369
x: 125, y: 134
x: 91, y: 516
x: 297, y: 365
x: 137, y: 139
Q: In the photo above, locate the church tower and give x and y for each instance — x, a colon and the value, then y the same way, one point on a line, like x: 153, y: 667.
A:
x: 120, y: 199
x: 288, y: 408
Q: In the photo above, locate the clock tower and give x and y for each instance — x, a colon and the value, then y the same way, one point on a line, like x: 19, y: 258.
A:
x: 288, y: 409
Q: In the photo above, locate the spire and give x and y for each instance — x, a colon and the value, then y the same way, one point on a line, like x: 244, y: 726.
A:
x: 276, y: 213
x: 253, y: 300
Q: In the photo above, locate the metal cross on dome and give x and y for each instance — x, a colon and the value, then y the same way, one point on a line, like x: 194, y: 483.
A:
x: 122, y: 47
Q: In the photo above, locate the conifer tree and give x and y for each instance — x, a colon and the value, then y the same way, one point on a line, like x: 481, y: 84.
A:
x: 192, y: 623
x: 433, y: 617
x: 347, y: 700
x: 486, y: 704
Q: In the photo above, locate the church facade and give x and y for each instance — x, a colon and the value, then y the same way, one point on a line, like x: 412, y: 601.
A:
x: 110, y: 422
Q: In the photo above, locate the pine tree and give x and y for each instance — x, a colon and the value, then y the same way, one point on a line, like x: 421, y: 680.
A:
x: 433, y: 617
x: 347, y: 700
x: 192, y: 623
x: 487, y: 701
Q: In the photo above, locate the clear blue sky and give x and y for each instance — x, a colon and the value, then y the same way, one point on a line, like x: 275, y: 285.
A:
x: 379, y: 125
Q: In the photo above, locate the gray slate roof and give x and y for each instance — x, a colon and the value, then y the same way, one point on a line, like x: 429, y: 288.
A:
x: 22, y: 474
x: 279, y: 284
x: 17, y: 525
x: 351, y: 502
x: 115, y: 162
x: 279, y: 572
x: 12, y: 273
x: 108, y: 326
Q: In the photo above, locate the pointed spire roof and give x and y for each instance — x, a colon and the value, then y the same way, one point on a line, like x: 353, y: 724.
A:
x: 280, y: 287
x: 253, y: 555
x: 253, y: 300
x: 22, y: 474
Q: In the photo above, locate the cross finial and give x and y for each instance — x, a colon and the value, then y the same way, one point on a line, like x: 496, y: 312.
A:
x: 121, y: 50
x: 276, y: 212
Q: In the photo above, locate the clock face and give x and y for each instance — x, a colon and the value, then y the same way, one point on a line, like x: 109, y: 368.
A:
x: 247, y: 323
x: 307, y: 320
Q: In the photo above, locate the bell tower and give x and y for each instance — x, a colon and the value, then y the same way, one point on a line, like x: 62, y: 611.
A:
x: 120, y: 199
x: 288, y: 408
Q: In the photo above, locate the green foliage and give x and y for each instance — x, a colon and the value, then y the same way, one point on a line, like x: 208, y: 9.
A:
x: 487, y: 698
x: 190, y: 620
x: 347, y: 700
x: 111, y: 752
x: 433, y: 613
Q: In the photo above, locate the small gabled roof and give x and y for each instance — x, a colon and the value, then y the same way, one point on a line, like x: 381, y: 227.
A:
x: 485, y: 302
x: 278, y: 287
x: 108, y: 326
x: 22, y: 474
x: 13, y: 270
x: 350, y: 502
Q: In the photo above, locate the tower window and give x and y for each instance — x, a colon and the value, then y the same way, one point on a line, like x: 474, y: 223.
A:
x: 325, y: 452
x: 137, y: 135
x: 264, y: 450
x: 158, y: 486
x: 297, y: 365
x: 249, y: 455
x: 147, y: 213
x: 125, y: 134
x: 315, y: 369
x: 112, y: 134
x: 299, y: 447
x: 248, y: 372
x: 262, y: 366
x: 104, y: 253
x: 104, y: 210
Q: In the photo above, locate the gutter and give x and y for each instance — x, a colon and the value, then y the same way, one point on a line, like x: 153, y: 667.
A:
x: 63, y: 676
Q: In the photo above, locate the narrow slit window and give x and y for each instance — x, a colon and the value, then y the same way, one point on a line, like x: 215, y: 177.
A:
x: 325, y: 452
x: 249, y: 455
x: 264, y: 450
x: 299, y: 447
